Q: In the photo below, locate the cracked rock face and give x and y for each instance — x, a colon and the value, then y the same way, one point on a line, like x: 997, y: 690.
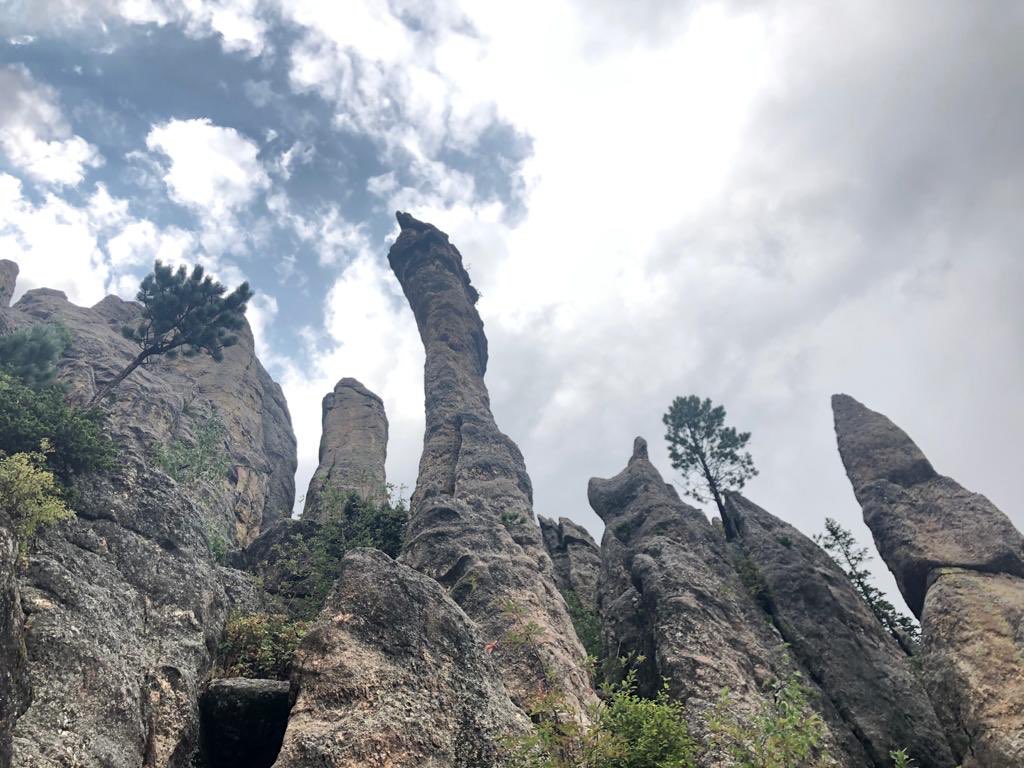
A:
x: 353, y: 448
x: 831, y: 631
x: 576, y: 558
x: 471, y: 523
x: 15, y: 690
x: 393, y: 673
x: 125, y: 603
x: 669, y: 591
x: 8, y: 281
x: 959, y: 563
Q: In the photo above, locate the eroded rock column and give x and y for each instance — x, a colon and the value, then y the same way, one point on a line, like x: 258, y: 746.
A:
x: 959, y: 562
x: 353, y: 448
x: 576, y: 558
x: 472, y: 526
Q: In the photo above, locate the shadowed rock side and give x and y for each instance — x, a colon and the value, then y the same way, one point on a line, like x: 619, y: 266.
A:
x: 14, y: 681
x: 576, y: 558
x: 834, y: 635
x: 471, y: 524
x: 353, y: 447
x: 125, y: 603
x: 394, y: 674
x: 958, y: 561
x: 669, y: 591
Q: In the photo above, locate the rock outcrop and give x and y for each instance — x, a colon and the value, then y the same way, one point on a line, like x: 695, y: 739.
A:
x: 576, y: 558
x: 833, y: 634
x: 669, y: 591
x: 959, y: 563
x: 15, y: 689
x: 8, y: 281
x: 353, y: 448
x: 125, y: 603
x: 471, y: 521
x: 395, y: 674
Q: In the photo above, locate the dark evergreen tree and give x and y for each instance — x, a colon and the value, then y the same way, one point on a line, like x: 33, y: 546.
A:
x: 709, y: 455
x: 31, y: 354
x: 852, y: 558
x: 182, y: 312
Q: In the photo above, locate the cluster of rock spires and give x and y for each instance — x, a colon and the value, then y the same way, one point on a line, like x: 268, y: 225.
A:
x: 109, y: 631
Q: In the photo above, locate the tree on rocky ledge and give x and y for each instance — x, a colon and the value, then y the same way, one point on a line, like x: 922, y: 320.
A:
x: 708, y: 454
x: 182, y: 312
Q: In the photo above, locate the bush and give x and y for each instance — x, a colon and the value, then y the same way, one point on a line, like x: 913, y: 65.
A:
x: 29, y: 492
x: 27, y: 417
x: 259, y: 645
x: 31, y: 354
x: 586, y: 624
x: 784, y: 734
x: 362, y: 523
x: 205, y: 460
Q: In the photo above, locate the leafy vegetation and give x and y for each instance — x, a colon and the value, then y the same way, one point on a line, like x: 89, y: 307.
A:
x: 365, y: 523
x: 205, y: 459
x: 29, y: 492
x: 260, y: 645
x: 853, y: 559
x: 785, y: 733
x: 182, y: 312
x: 31, y: 354
x: 709, y: 455
x: 586, y: 623
x: 28, y: 417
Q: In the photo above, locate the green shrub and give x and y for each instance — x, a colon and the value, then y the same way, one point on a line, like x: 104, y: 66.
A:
x: 31, y: 354
x: 786, y: 733
x: 29, y: 492
x: 585, y: 622
x: 259, y: 645
x: 900, y: 759
x: 205, y: 460
x: 27, y: 417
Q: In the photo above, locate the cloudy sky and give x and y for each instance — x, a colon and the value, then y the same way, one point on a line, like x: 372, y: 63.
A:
x: 760, y: 202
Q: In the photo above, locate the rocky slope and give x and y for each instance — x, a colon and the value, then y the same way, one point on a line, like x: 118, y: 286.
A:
x: 125, y: 603
x: 353, y: 447
x: 864, y: 673
x: 471, y: 525
x: 959, y: 563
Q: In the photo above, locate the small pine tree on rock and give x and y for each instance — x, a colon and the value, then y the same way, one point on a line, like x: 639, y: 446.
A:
x: 182, y: 312
x: 31, y: 354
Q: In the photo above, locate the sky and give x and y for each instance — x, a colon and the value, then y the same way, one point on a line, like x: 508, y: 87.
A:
x: 754, y: 201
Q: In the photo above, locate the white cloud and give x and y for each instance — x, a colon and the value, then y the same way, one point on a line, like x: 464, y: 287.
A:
x: 34, y: 134
x: 213, y: 170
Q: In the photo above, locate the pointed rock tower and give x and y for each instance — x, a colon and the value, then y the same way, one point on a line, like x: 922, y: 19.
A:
x: 471, y: 523
x: 959, y: 563
x: 353, y: 448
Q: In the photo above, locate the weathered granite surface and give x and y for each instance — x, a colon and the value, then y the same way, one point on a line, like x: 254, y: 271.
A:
x: 394, y: 674
x: 833, y: 634
x: 669, y: 590
x: 576, y: 558
x: 15, y: 687
x: 959, y: 562
x: 353, y: 447
x: 471, y: 525
x: 8, y: 281
x: 125, y: 603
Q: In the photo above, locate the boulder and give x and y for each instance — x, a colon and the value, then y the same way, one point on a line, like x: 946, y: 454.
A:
x: 576, y: 559
x: 830, y: 630
x: 353, y: 448
x: 471, y: 523
x: 959, y: 563
x: 393, y: 673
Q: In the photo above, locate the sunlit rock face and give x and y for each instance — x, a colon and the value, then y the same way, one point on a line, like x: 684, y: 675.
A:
x: 669, y: 590
x: 471, y: 525
x: 125, y: 603
x: 959, y: 562
x: 394, y: 673
x: 831, y: 631
x: 353, y: 448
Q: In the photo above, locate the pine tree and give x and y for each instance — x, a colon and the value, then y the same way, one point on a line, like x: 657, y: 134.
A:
x: 843, y: 548
x: 31, y: 354
x: 182, y: 312
x: 708, y: 454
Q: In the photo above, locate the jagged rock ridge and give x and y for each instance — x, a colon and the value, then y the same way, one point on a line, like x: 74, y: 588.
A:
x: 959, y: 562
x: 576, y: 558
x: 471, y: 525
x: 353, y: 447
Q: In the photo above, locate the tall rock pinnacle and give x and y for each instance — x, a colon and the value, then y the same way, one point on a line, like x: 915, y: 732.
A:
x: 353, y: 447
x: 959, y: 563
x: 471, y: 525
